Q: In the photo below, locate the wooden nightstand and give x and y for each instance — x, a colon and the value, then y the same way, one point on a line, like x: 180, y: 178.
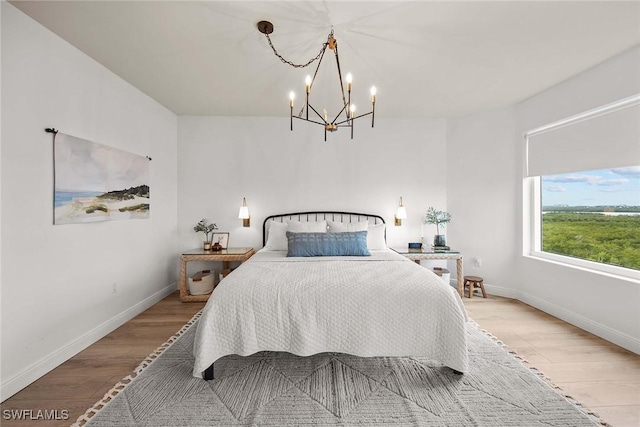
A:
x: 418, y: 254
x: 226, y: 256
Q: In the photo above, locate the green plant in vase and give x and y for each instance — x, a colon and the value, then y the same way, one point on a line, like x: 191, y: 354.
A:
x: 440, y: 219
x: 207, y: 228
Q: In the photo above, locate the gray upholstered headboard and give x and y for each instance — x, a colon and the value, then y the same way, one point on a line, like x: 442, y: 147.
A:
x: 319, y: 216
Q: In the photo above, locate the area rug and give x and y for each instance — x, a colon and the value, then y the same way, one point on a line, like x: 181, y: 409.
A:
x: 334, y: 389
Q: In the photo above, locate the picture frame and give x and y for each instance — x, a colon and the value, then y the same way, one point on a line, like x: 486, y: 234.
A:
x: 222, y: 238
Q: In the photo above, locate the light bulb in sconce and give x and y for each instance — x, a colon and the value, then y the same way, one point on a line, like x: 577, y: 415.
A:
x: 243, y: 214
x: 401, y: 213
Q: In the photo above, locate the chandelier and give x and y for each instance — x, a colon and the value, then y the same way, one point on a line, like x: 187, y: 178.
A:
x: 348, y: 109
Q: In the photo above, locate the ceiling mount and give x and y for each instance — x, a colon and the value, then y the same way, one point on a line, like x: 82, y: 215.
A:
x: 265, y: 27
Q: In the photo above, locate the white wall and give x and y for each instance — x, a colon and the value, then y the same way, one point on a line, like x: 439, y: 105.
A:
x: 57, y: 281
x: 223, y: 159
x: 482, y: 196
x: 485, y: 196
x: 602, y: 304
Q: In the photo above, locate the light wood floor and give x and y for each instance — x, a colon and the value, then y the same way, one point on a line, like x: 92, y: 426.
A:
x: 603, y: 377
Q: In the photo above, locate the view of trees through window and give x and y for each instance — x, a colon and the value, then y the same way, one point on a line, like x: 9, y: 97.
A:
x: 593, y: 215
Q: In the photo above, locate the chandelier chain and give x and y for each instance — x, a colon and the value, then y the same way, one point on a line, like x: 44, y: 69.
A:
x: 313, y: 79
x: 309, y: 62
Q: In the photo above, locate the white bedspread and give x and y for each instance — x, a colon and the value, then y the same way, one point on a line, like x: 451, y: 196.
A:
x: 383, y: 305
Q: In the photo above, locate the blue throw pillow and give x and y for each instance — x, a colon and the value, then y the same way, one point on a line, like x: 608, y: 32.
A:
x: 353, y: 243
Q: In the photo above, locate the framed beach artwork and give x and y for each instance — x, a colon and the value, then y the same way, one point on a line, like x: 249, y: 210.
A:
x: 95, y: 182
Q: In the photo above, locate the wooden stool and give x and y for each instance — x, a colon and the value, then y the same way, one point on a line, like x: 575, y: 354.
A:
x: 473, y: 282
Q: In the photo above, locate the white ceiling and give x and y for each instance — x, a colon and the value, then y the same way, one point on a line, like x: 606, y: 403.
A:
x: 427, y: 58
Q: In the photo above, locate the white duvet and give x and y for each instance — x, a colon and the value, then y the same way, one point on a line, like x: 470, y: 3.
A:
x: 383, y: 305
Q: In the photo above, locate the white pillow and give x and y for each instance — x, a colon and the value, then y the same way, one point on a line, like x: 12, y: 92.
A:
x: 277, y: 232
x: 307, y: 226
x: 277, y: 236
x: 375, y: 237
x: 375, y: 232
x: 343, y: 227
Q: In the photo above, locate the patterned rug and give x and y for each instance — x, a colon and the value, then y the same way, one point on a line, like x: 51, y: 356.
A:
x: 334, y: 389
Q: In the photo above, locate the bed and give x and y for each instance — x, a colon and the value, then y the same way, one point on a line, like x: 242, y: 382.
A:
x: 380, y: 304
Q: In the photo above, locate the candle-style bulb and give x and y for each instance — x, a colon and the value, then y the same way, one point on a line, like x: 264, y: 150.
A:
x: 373, y: 93
x: 349, y: 81
x: 352, y: 109
x: 292, y: 96
x: 307, y: 81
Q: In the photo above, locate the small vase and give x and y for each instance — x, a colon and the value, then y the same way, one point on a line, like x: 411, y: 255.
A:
x: 216, y: 247
x: 439, y: 240
x: 207, y: 246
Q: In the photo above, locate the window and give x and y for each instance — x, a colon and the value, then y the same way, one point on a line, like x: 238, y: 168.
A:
x: 593, y: 215
x: 582, y: 189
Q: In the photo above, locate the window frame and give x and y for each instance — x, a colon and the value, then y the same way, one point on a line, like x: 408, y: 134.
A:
x: 533, y: 240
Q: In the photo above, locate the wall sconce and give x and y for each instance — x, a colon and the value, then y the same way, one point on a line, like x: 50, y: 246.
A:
x: 401, y: 213
x: 244, y: 214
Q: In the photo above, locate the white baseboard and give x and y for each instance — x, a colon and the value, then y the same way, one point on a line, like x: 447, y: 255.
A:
x: 501, y: 291
x: 56, y: 358
x: 623, y: 340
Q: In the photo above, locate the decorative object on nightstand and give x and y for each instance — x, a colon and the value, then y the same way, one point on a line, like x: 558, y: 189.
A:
x: 220, y: 240
x: 439, y: 218
x: 207, y: 228
x: 473, y: 283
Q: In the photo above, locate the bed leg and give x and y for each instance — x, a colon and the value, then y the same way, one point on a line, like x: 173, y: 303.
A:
x: 208, y: 373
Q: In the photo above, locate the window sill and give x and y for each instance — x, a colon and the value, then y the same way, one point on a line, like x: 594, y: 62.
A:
x: 612, y: 271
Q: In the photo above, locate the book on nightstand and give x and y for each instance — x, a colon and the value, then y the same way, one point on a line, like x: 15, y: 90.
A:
x: 440, y: 248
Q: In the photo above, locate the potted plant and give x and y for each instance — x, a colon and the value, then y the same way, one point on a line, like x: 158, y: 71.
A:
x: 207, y: 228
x: 439, y: 218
